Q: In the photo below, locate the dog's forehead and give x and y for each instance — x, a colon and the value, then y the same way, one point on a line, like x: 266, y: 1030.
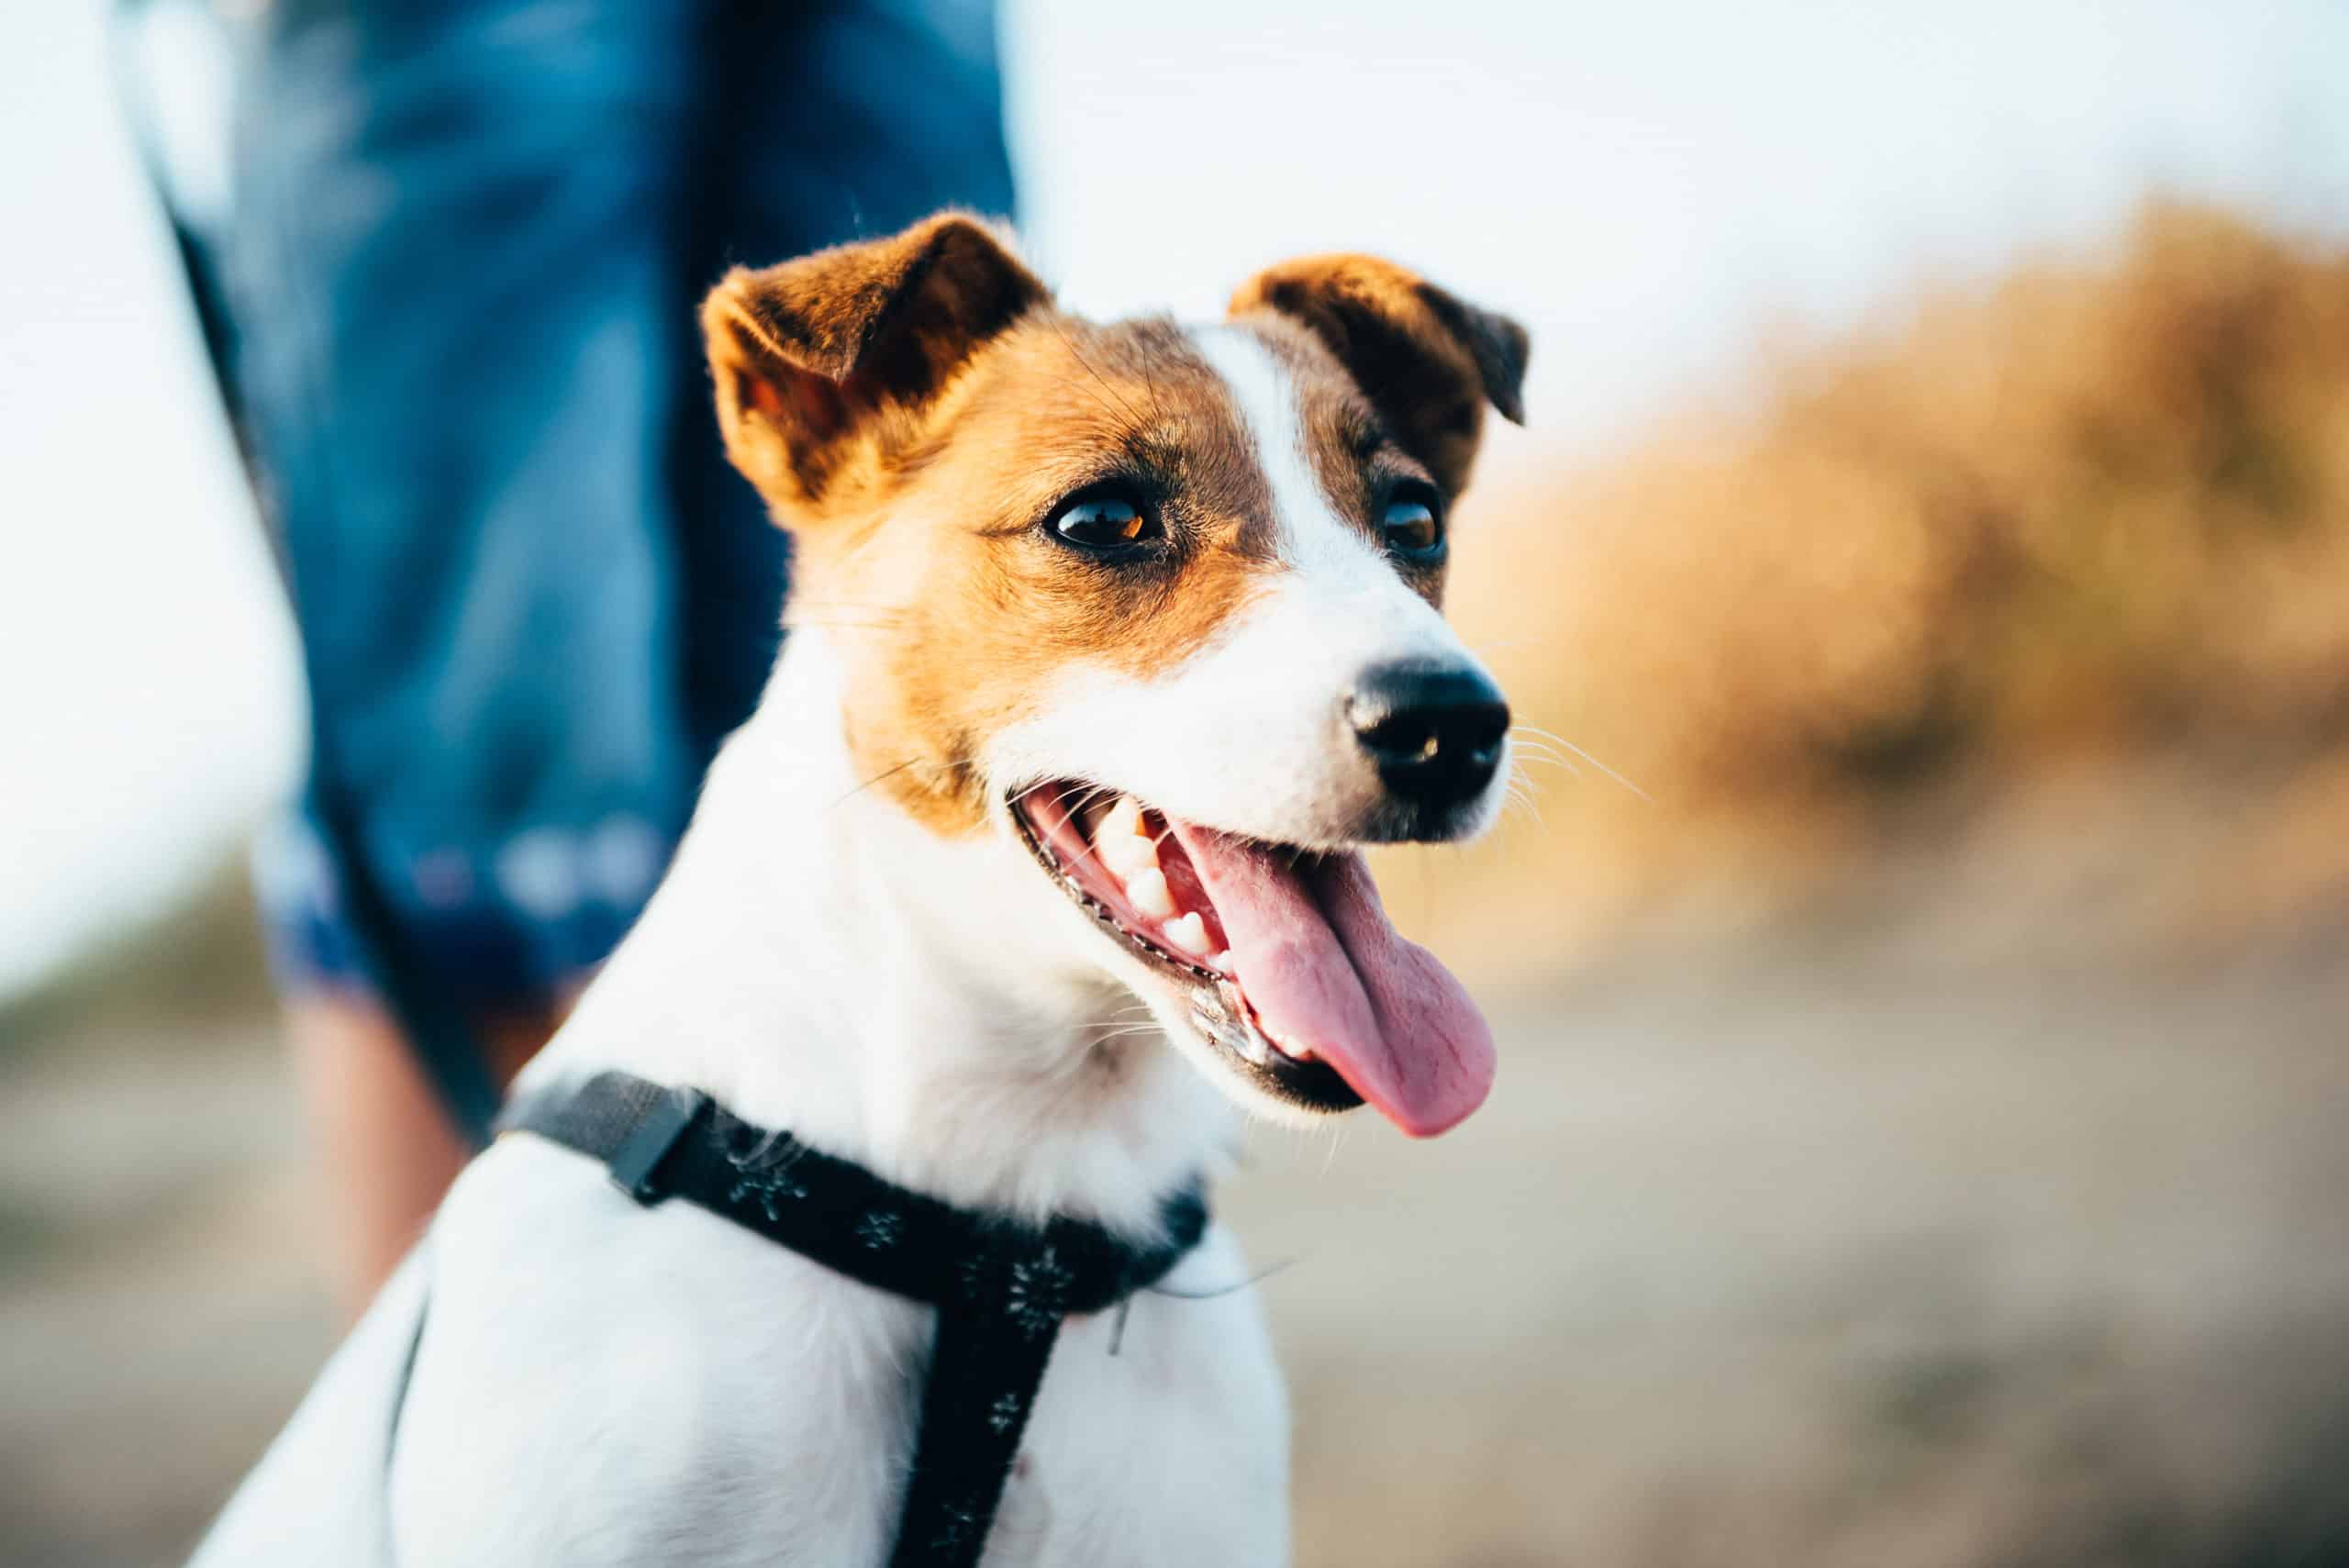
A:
x: 1156, y: 368
x: 1225, y: 413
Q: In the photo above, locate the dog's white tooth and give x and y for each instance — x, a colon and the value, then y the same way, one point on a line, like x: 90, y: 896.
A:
x: 1126, y: 854
x: 1188, y: 932
x: 1294, y: 1052
x: 1150, y: 894
x: 1220, y: 963
x: 1124, y: 820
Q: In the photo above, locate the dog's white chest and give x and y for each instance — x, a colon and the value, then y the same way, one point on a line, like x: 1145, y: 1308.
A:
x: 725, y: 1401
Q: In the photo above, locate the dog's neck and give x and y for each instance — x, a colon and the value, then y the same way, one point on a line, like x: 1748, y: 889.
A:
x: 824, y: 965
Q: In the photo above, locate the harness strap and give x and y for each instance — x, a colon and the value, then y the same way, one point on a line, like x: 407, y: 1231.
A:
x: 1002, y: 1288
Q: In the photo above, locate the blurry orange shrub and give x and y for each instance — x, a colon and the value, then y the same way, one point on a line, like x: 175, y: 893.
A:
x: 2092, y: 518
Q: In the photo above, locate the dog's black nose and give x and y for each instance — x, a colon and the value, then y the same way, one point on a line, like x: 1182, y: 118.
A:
x: 1434, y: 730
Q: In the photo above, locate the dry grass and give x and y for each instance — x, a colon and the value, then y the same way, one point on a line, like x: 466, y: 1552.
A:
x: 2036, y: 542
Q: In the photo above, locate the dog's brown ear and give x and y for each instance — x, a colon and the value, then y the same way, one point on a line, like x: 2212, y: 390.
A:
x: 1427, y: 361
x: 811, y: 355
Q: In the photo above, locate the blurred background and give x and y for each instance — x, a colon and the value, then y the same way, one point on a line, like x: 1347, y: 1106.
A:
x: 1918, y: 968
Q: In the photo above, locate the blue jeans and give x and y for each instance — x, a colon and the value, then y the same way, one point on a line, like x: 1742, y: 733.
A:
x: 468, y: 243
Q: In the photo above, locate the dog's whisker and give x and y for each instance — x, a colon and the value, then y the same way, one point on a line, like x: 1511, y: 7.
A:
x: 1082, y: 794
x: 1258, y: 1277
x: 844, y: 615
x: 1125, y: 1031
x: 1330, y: 1150
x: 1149, y: 381
x: 1561, y: 740
x: 795, y: 623
x: 1132, y: 413
x: 1547, y: 762
x: 1122, y: 1016
x: 877, y: 778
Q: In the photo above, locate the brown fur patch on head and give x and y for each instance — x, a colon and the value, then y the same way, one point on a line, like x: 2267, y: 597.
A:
x: 1427, y: 359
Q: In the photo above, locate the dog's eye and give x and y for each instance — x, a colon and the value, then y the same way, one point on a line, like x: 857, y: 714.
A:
x: 1411, y: 526
x: 1105, y: 523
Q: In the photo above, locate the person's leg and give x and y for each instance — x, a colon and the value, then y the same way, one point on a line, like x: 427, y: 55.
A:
x: 385, y: 1147
x: 819, y: 123
x: 386, y: 1150
x: 454, y: 300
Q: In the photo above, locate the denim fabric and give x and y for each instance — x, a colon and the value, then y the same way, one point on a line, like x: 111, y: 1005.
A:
x: 468, y: 242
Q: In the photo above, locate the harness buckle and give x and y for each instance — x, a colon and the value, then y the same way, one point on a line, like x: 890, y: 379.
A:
x: 664, y: 1122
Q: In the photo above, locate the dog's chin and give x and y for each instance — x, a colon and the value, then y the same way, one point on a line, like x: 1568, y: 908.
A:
x: 1200, y: 1006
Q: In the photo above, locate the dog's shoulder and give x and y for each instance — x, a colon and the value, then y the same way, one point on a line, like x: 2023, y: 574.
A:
x: 603, y: 1381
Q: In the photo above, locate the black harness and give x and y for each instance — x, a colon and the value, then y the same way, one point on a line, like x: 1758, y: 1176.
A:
x: 1001, y: 1288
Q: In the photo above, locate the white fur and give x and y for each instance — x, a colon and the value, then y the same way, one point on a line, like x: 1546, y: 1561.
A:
x: 599, y: 1384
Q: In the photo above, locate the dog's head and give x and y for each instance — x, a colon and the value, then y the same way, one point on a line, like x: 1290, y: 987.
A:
x: 1158, y: 606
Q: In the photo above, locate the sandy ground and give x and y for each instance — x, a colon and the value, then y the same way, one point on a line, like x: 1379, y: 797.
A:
x: 1766, y: 1257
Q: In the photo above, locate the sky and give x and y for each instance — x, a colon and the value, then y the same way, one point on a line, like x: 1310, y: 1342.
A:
x: 1651, y: 188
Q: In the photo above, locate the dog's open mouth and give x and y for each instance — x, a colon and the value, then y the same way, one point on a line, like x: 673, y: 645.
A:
x: 1290, y: 966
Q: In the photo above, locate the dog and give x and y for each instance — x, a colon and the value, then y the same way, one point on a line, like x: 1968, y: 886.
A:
x: 1039, y: 860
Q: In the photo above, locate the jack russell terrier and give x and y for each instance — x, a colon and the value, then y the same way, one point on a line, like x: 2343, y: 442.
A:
x: 1112, y: 646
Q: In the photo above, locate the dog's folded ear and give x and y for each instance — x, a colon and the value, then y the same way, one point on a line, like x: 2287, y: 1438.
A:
x: 813, y: 356
x: 1427, y: 361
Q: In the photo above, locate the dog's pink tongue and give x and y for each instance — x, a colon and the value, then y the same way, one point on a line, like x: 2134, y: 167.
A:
x: 1316, y: 955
